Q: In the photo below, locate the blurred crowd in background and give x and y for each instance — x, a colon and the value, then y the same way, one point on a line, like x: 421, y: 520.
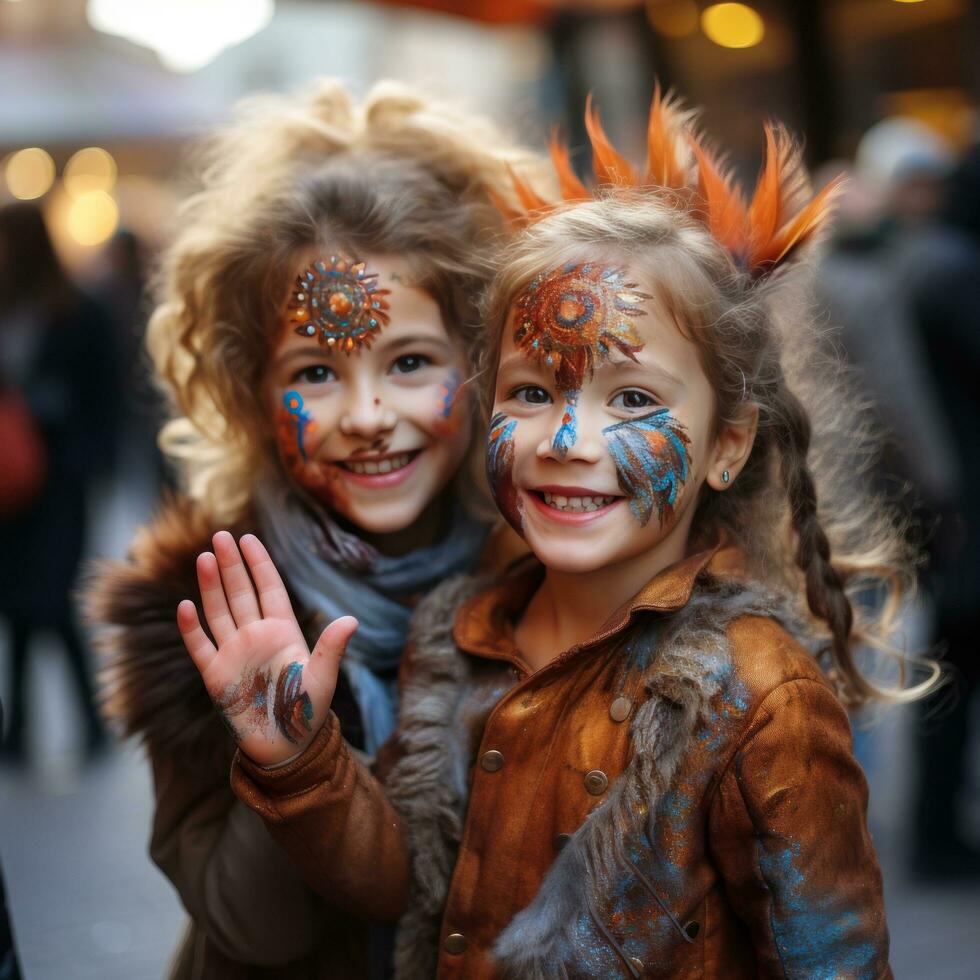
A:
x: 99, y: 100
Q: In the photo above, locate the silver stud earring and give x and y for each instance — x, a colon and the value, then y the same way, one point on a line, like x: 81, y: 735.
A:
x: 725, y: 476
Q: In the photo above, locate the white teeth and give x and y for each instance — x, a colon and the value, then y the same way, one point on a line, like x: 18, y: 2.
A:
x: 576, y: 504
x: 372, y: 468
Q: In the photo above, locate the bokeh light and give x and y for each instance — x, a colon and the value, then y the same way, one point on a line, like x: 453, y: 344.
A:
x: 92, y: 218
x: 90, y: 169
x: 29, y: 173
x: 732, y: 25
x: 673, y: 18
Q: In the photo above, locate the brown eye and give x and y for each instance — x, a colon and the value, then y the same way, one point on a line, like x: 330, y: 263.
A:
x: 532, y: 395
x: 409, y: 363
x: 633, y: 399
x: 315, y: 374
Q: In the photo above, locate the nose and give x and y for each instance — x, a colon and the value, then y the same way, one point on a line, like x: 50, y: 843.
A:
x: 574, y: 435
x: 365, y: 413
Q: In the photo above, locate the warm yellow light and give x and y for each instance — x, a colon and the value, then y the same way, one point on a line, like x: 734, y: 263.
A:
x: 92, y: 218
x: 908, y: 1
x: 673, y: 18
x: 30, y: 173
x: 732, y: 25
x: 91, y: 169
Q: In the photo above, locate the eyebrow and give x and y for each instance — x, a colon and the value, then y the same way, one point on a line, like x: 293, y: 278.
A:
x: 412, y: 340
x: 309, y: 350
x: 625, y: 365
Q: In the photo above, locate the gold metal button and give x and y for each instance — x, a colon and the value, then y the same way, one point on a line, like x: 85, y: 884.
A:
x: 561, y: 840
x: 492, y: 760
x: 637, y: 964
x: 596, y: 782
x: 620, y: 709
x: 455, y: 943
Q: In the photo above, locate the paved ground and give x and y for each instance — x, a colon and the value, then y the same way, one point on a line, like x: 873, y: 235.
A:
x: 88, y: 905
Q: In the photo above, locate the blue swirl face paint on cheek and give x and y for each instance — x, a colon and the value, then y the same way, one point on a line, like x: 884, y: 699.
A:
x: 566, y: 435
x: 652, y: 462
x: 293, y: 403
x: 500, y: 465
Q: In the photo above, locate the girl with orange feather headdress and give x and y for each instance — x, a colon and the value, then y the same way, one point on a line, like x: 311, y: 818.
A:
x: 629, y: 756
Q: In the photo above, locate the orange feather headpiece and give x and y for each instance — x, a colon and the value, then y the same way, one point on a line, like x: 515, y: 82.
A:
x: 760, y: 234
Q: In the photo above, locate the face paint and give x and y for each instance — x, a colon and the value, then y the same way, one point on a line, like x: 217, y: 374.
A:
x: 447, y: 418
x: 299, y: 422
x: 254, y: 704
x: 339, y: 303
x: 293, y: 710
x: 294, y: 429
x: 247, y: 702
x: 576, y: 317
x: 566, y: 435
x: 500, y: 465
x: 652, y: 461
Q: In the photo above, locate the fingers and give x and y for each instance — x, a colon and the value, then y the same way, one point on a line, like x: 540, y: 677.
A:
x: 216, y: 610
x: 198, y: 645
x: 324, y: 664
x: 272, y: 593
x: 238, y: 586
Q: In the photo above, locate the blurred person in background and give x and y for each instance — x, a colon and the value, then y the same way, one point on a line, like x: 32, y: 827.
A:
x: 121, y: 286
x: 59, y: 365
x: 884, y: 229
x: 944, y: 290
x: 286, y: 425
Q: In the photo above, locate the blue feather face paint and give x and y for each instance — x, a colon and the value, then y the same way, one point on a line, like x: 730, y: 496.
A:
x: 652, y: 462
x: 566, y: 435
x: 500, y: 466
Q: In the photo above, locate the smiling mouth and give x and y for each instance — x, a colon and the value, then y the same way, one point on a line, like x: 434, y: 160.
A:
x: 575, y: 505
x: 374, y: 467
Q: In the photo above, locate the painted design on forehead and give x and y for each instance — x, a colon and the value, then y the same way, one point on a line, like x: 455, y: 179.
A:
x: 340, y: 303
x: 576, y: 317
x: 652, y: 462
x: 568, y: 432
x: 500, y: 467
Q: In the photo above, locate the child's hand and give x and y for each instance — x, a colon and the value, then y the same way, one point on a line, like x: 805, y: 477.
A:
x: 273, y: 693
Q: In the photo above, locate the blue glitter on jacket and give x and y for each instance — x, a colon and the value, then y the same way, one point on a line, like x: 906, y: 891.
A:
x: 811, y: 933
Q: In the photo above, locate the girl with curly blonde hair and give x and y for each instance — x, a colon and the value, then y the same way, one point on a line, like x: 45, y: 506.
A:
x: 316, y: 333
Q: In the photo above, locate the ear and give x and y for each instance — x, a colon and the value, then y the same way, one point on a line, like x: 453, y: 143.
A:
x: 733, y: 445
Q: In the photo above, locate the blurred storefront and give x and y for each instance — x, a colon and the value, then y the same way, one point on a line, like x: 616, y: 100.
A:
x: 136, y: 78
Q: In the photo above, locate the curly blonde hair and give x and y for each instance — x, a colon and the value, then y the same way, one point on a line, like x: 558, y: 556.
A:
x: 802, y: 510
x: 397, y: 174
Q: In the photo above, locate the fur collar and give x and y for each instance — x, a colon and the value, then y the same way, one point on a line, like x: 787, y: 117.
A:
x: 150, y: 688
x: 445, y: 704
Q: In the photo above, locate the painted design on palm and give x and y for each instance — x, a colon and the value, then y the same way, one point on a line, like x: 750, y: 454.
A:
x: 255, y: 704
x: 500, y: 466
x: 576, y: 317
x: 652, y: 462
x: 340, y: 303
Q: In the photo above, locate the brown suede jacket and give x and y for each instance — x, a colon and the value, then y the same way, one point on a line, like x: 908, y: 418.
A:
x: 252, y: 915
x: 676, y: 797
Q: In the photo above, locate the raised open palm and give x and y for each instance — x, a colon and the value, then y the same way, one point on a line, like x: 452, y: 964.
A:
x: 273, y: 693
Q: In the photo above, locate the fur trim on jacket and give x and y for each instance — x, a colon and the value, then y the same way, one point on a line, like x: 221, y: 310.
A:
x: 445, y: 705
x: 150, y: 688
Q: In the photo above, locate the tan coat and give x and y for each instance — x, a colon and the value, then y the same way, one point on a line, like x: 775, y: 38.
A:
x: 677, y: 797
